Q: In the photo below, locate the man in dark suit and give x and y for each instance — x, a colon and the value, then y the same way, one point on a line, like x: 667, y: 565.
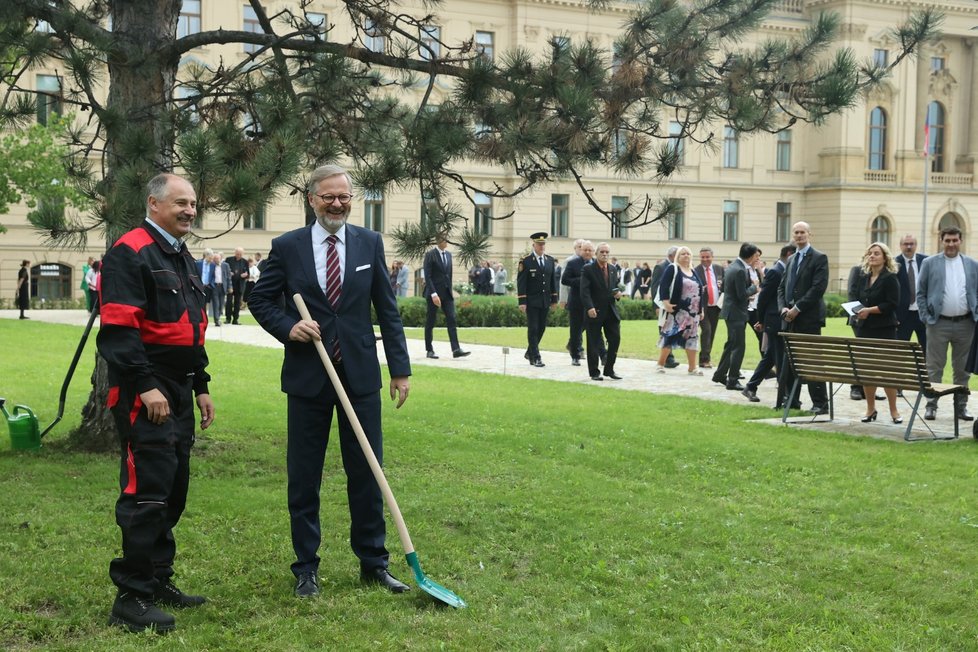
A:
x: 657, y: 272
x: 739, y: 289
x: 711, y: 278
x: 570, y: 277
x: 908, y: 271
x: 536, y: 290
x: 769, y: 323
x: 341, y: 272
x: 438, y: 293
x: 802, y: 306
x: 238, y: 267
x: 600, y: 292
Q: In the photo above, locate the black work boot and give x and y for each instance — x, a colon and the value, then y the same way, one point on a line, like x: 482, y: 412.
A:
x: 137, y: 614
x: 168, y: 595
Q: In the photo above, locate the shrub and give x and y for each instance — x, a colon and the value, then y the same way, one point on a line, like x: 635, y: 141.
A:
x: 474, y: 311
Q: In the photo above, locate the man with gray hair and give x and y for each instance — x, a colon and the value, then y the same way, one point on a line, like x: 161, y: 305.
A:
x: 711, y: 278
x: 341, y: 272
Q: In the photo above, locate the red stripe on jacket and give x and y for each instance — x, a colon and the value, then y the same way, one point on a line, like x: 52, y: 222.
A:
x: 120, y: 314
x: 135, y: 239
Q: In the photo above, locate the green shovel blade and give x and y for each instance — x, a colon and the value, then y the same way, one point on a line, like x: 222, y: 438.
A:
x: 433, y: 589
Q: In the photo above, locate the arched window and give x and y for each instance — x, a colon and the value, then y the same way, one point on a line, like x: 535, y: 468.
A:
x: 877, y: 139
x: 880, y: 231
x: 935, y: 136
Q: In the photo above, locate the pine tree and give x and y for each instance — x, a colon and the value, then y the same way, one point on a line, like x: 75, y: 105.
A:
x: 245, y: 133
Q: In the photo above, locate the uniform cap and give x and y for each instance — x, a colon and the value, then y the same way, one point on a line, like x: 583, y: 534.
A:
x: 539, y: 237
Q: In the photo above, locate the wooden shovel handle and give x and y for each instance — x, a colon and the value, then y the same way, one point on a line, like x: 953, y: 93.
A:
x: 368, y: 452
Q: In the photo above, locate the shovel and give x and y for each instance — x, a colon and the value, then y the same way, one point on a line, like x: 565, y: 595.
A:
x: 430, y: 587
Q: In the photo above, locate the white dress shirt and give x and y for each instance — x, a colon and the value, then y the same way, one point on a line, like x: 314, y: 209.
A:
x: 955, y: 297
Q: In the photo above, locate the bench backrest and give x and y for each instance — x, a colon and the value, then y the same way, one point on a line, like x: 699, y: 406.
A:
x: 858, y: 361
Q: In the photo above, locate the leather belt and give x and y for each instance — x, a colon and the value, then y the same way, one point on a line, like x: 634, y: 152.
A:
x: 956, y: 317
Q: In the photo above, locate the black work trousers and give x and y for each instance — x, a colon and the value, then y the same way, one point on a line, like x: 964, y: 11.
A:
x: 536, y: 326
x: 154, y: 476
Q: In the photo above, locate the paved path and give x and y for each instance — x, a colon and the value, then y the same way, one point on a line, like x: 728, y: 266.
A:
x: 638, y: 375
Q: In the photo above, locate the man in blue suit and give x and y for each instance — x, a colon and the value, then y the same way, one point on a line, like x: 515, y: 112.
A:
x: 908, y: 271
x: 339, y: 294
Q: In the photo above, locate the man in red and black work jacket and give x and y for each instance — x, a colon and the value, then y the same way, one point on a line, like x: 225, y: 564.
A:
x: 152, y: 336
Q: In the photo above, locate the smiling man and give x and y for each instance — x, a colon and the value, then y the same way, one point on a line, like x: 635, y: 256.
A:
x: 341, y: 272
x: 152, y: 336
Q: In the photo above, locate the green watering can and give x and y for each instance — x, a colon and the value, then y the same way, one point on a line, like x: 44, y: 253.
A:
x: 25, y: 433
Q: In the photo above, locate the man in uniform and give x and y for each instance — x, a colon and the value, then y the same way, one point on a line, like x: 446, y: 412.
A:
x: 152, y: 336
x: 536, y: 290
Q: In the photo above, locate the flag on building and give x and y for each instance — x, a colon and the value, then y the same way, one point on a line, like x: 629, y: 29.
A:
x: 926, y: 137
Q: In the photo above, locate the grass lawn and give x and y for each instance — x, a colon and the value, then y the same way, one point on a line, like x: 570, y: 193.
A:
x: 584, y: 518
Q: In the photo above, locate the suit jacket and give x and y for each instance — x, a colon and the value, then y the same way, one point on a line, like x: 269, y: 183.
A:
x: 236, y: 268
x: 767, y: 300
x: 739, y: 290
x: 809, y: 288
x: 225, y: 275
x: 291, y: 268
x: 656, y: 279
x: 437, y: 275
x: 537, y: 287
x: 930, y: 287
x: 599, y: 294
x: 857, y: 278
x: 700, y: 272
x: 906, y: 296
x: 884, y: 294
x: 570, y: 277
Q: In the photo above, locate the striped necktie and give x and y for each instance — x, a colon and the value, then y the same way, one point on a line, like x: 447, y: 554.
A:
x: 334, y: 285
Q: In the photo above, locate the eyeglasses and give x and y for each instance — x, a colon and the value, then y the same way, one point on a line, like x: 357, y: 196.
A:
x: 344, y: 198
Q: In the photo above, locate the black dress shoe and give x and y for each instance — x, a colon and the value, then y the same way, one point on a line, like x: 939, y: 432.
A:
x: 139, y: 614
x: 735, y: 385
x: 671, y: 364
x: 718, y: 380
x: 538, y: 363
x: 819, y: 409
x: 459, y: 353
x: 383, y: 577
x: 596, y: 377
x: 576, y: 362
x: 964, y: 415
x: 431, y: 354
x: 306, y: 586
x: 613, y: 376
x: 856, y: 393
x: 930, y: 413
x: 751, y: 395
x: 168, y: 595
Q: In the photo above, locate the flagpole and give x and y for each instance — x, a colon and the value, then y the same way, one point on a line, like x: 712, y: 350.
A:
x: 923, y: 218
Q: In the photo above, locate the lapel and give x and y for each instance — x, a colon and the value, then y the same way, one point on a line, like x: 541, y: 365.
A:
x: 354, y: 257
x: 305, y: 244
x: 447, y: 260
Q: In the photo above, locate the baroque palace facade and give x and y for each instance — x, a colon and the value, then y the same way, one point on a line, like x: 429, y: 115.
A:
x: 858, y: 178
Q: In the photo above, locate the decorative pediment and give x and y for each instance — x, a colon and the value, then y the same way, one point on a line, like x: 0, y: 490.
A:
x: 942, y: 85
x: 883, y: 93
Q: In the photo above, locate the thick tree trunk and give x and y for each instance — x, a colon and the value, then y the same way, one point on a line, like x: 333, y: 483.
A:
x: 97, y: 432
x: 140, y: 89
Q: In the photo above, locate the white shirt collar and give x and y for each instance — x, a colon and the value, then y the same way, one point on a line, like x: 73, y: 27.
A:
x: 319, y: 234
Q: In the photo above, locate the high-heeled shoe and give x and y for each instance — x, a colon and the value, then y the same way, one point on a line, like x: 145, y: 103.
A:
x: 897, y: 418
x: 869, y: 417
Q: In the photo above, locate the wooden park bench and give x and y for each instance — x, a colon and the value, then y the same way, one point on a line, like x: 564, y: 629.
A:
x: 864, y: 361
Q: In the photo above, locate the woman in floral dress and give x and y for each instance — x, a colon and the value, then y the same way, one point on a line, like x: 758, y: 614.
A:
x: 682, y: 297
